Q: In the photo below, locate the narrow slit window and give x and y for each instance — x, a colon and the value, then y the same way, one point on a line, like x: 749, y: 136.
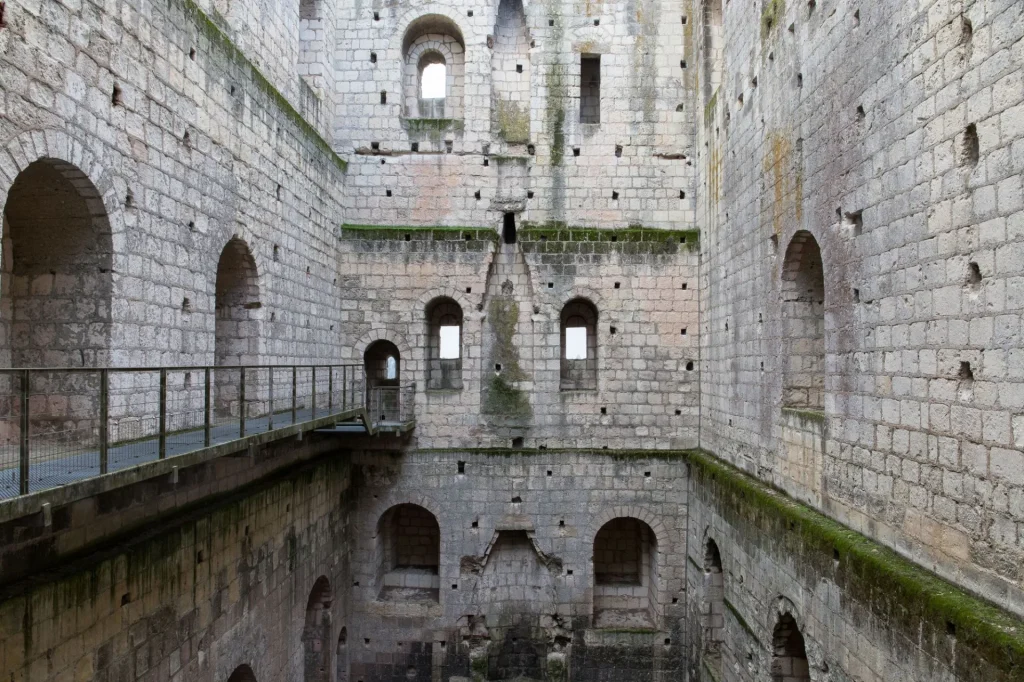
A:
x: 391, y: 368
x: 590, y: 89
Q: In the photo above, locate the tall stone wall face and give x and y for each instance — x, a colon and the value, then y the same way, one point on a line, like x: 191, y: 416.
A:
x: 510, y: 137
x: 892, y: 133
x: 185, y: 145
x: 514, y: 590
x: 199, y: 597
x: 776, y: 562
x: 637, y: 388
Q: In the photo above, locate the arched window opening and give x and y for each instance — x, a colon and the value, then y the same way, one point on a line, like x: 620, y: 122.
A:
x: 55, y: 301
x: 444, y: 344
x: 625, y: 575
x: 236, y: 334
x: 713, y: 608
x: 789, y: 659
x: 579, y: 346
x: 510, y: 74
x: 433, y: 85
x: 713, y: 47
x: 383, y: 366
x: 242, y: 673
x: 408, y: 554
x: 341, y: 656
x: 316, y: 635
x: 434, y: 68
x: 56, y: 272
x: 803, y: 317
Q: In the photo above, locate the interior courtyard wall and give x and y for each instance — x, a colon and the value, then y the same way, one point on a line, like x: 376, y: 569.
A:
x: 515, y: 575
x: 193, y: 148
x: 852, y: 121
x: 644, y: 293
x: 534, y: 158
x: 194, y: 598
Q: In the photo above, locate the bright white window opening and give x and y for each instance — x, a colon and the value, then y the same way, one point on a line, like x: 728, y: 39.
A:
x: 450, y: 342
x: 433, y: 83
x: 576, y: 343
x: 391, y: 368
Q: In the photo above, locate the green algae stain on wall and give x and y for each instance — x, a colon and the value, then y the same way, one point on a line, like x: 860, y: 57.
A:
x: 502, y: 397
x: 513, y: 121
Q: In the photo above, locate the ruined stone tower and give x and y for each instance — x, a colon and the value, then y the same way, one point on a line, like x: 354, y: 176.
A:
x: 632, y: 341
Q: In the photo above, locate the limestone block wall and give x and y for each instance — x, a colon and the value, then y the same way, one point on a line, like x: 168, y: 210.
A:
x: 891, y: 134
x: 181, y: 143
x: 761, y: 566
x: 517, y: 79
x: 515, y: 576
x: 236, y: 584
x: 641, y: 284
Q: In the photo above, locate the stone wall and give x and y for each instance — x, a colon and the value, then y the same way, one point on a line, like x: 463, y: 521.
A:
x: 862, y: 612
x: 516, y: 580
x: 640, y: 282
x: 180, y: 143
x: 515, y: 142
x: 198, y: 595
x: 892, y: 134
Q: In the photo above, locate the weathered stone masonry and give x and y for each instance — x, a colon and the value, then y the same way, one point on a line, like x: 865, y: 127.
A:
x: 788, y: 233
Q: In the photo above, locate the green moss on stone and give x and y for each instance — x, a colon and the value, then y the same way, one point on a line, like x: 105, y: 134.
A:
x: 417, y: 233
x: 810, y: 415
x: 739, y: 619
x: 908, y: 598
x: 513, y: 121
x: 771, y: 17
x: 216, y: 35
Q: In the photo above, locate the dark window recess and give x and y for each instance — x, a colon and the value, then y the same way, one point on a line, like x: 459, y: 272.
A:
x: 373, y: 57
x: 590, y: 89
x: 383, y: 97
x: 508, y: 230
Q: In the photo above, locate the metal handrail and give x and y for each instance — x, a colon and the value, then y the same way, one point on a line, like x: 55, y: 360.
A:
x: 64, y: 431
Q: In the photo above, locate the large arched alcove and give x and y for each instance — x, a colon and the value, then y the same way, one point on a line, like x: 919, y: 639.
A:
x: 789, y: 655
x: 803, y: 324
x: 433, y: 43
x: 242, y: 673
x: 408, y: 550
x: 238, y: 315
x: 713, y: 607
x: 510, y: 74
x: 316, y: 633
x: 625, y: 563
x: 56, y: 274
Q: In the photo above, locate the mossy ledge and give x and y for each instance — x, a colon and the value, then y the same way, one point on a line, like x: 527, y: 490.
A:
x: 918, y: 604
x: 560, y: 232
x: 620, y: 455
x: 217, y: 37
x: 810, y: 415
x: 417, y: 232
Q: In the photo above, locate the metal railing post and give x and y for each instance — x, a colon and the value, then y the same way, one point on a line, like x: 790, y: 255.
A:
x: 295, y: 384
x: 312, y: 400
x: 344, y: 387
x: 206, y: 408
x: 104, y: 418
x: 330, y: 389
x: 163, y: 414
x: 241, y: 404
x: 270, y: 418
x: 23, y: 450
